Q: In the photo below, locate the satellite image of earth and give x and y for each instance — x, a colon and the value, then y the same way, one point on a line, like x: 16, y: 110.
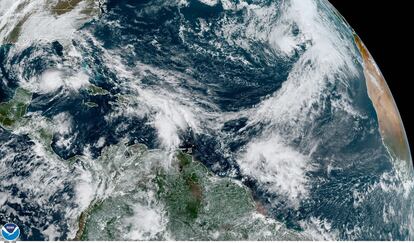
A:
x: 196, y: 120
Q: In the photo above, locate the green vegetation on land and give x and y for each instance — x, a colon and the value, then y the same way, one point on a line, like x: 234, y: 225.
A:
x: 13, y: 110
x: 184, y: 200
x: 202, y: 206
x: 96, y: 90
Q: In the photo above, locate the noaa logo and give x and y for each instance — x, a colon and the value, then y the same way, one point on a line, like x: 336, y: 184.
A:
x: 10, y: 232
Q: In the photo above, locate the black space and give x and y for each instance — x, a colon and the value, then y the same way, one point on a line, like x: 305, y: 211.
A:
x: 386, y: 29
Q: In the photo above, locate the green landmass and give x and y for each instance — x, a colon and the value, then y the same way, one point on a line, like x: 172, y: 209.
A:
x: 202, y: 206
x: 96, y: 90
x: 13, y: 110
x: 126, y: 171
x: 193, y: 203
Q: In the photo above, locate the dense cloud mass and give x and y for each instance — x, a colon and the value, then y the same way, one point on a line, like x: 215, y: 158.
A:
x: 193, y: 120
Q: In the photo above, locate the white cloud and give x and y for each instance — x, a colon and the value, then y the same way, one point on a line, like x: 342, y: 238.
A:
x: 52, y: 80
x: 77, y: 81
x: 145, y: 223
x: 3, y: 198
x: 52, y: 232
x: 37, y: 23
x: 277, y: 167
x: 62, y: 123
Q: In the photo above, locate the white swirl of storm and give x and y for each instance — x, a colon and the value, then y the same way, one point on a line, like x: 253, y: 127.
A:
x: 270, y: 157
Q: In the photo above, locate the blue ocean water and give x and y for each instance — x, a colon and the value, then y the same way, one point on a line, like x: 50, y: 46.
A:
x: 350, y: 154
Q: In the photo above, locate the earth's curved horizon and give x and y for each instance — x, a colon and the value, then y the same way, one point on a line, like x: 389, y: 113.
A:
x: 197, y: 120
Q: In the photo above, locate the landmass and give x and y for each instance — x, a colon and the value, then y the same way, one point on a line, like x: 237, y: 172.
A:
x: 192, y: 203
x: 390, y: 123
x: 28, y: 12
x: 65, y: 6
x: 96, y: 90
x: 13, y: 110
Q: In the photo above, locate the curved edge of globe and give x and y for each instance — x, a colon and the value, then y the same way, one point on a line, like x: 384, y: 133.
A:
x: 391, y: 126
x: 390, y: 123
